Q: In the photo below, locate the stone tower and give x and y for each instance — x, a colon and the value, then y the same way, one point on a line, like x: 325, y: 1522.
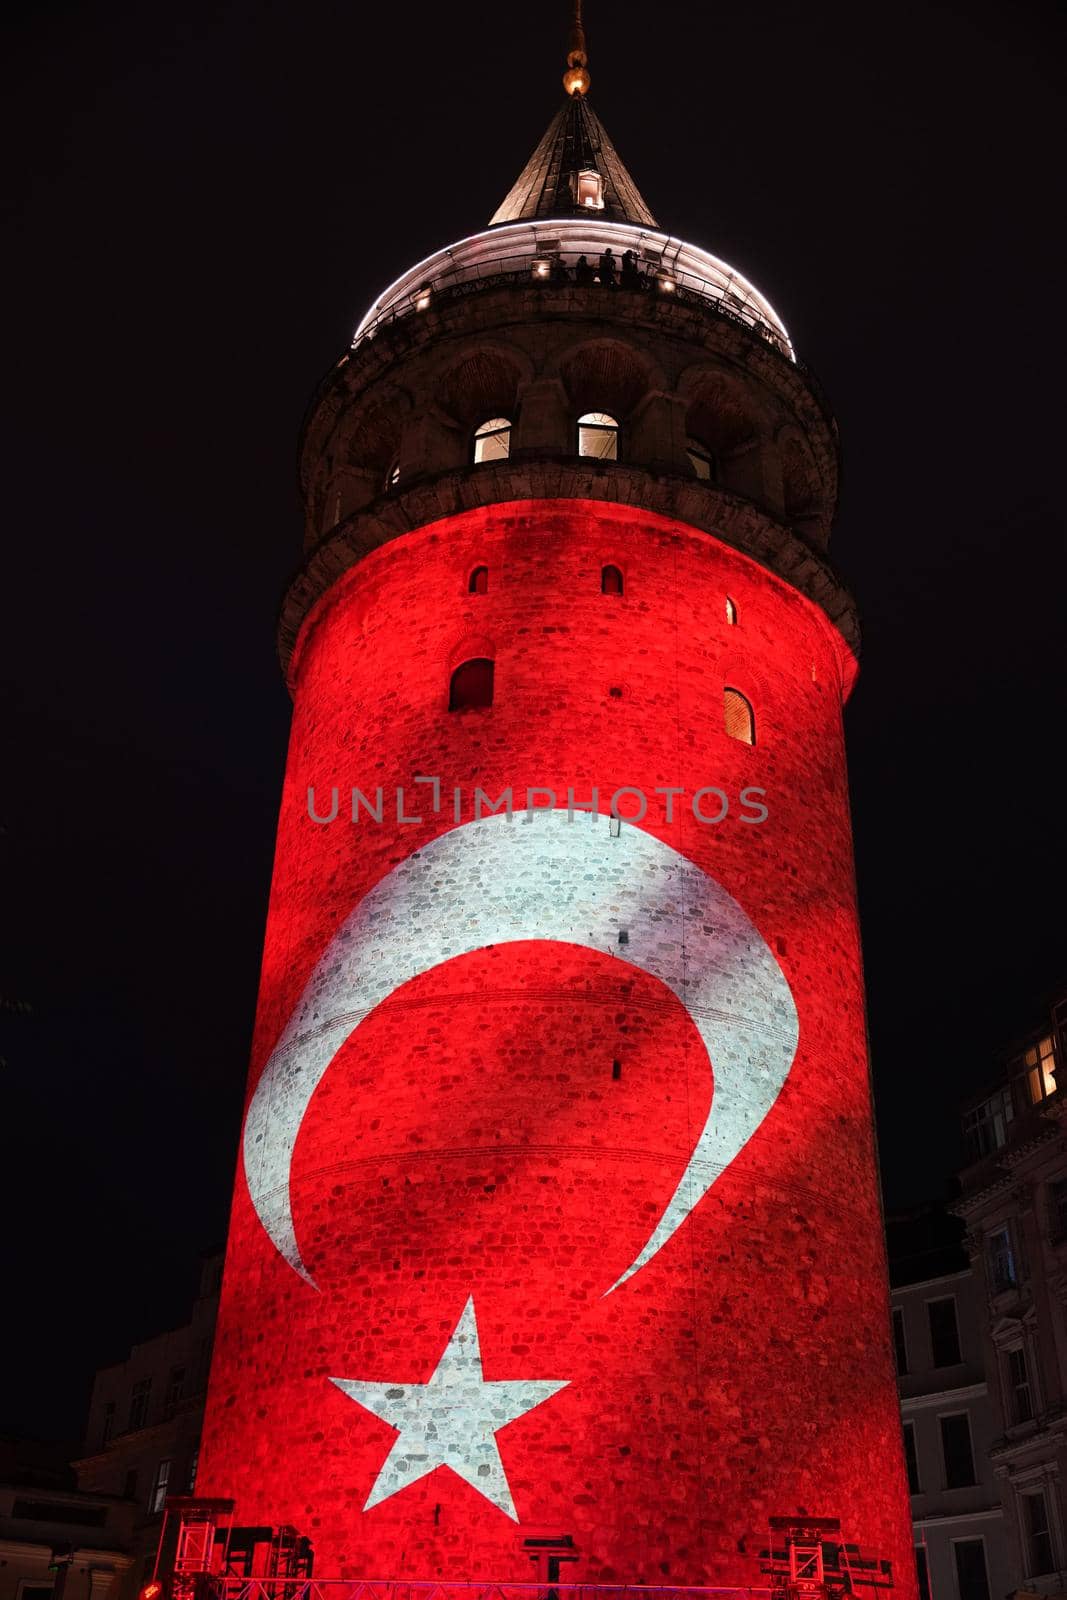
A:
x: 557, y: 1213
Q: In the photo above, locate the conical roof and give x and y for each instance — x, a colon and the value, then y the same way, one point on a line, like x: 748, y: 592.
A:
x: 575, y: 141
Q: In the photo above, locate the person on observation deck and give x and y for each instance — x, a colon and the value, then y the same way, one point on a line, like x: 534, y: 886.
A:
x: 583, y: 272
x: 607, y: 268
x: 630, y: 278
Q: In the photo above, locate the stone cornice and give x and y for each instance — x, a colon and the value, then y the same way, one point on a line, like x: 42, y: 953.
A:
x: 695, y: 506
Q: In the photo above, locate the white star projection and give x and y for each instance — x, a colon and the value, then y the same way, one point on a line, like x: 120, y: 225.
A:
x: 452, y: 1420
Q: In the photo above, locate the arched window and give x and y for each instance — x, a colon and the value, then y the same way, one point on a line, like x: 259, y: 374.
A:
x: 471, y: 685
x: 731, y: 612
x: 702, y: 460
x: 479, y: 581
x: 739, y: 717
x: 610, y: 580
x: 598, y: 435
x: 492, y: 440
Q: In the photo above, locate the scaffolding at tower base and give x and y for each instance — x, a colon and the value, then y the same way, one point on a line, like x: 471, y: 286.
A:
x: 202, y: 1555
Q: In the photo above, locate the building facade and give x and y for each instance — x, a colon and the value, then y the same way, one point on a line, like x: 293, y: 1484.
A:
x: 561, y: 1009
x: 1014, y: 1204
x: 961, y: 1544
x: 57, y: 1543
x: 146, y: 1413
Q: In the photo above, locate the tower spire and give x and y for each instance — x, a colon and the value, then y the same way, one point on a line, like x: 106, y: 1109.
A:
x: 576, y: 79
x: 575, y: 168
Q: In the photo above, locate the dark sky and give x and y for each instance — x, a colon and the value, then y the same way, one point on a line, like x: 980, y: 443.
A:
x: 203, y: 201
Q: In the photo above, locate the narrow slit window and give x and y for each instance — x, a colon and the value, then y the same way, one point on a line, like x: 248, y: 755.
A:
x: 479, y: 581
x: 392, y: 477
x: 598, y: 435
x: 731, y: 613
x: 492, y: 441
x: 739, y: 717
x: 471, y: 685
x: 611, y: 580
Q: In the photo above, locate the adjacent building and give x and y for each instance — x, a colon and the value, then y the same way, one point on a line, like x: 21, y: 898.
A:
x: 53, y: 1539
x: 1013, y: 1201
x: 143, y: 1434
x: 961, y: 1544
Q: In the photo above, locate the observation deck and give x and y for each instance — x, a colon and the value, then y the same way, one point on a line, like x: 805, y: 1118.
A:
x: 667, y: 267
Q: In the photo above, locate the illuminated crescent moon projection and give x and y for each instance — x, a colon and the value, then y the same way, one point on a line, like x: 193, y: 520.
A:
x: 541, y: 876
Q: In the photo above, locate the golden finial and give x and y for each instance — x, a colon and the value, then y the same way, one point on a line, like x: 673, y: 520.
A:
x: 576, y: 79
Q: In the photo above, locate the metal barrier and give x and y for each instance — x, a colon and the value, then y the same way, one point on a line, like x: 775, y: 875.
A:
x: 522, y: 270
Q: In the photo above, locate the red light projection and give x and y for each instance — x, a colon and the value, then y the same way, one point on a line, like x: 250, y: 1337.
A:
x: 557, y: 1211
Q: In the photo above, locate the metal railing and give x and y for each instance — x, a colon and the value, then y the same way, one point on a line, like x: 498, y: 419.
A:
x: 403, y: 1589
x: 544, y: 272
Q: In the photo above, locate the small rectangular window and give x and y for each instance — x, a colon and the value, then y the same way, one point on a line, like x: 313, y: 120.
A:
x: 922, y: 1572
x: 139, y: 1396
x: 900, y: 1342
x: 1057, y: 1210
x: 1020, y: 1394
x: 956, y: 1449
x: 1038, y: 1534
x: 1002, y: 1270
x: 972, y: 1580
x: 944, y: 1331
x: 175, y: 1390
x: 159, y: 1488
x: 109, y: 1422
x: 912, y: 1459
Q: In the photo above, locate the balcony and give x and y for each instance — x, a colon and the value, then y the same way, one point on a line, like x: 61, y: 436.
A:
x: 526, y: 253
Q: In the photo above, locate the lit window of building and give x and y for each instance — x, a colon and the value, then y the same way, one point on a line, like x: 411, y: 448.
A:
x: 738, y: 716
x: 1039, y: 1066
x: 492, y: 441
x: 591, y: 190
x: 598, y: 435
x: 731, y: 613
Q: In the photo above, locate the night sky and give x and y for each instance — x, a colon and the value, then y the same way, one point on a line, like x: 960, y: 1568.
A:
x: 203, y: 202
